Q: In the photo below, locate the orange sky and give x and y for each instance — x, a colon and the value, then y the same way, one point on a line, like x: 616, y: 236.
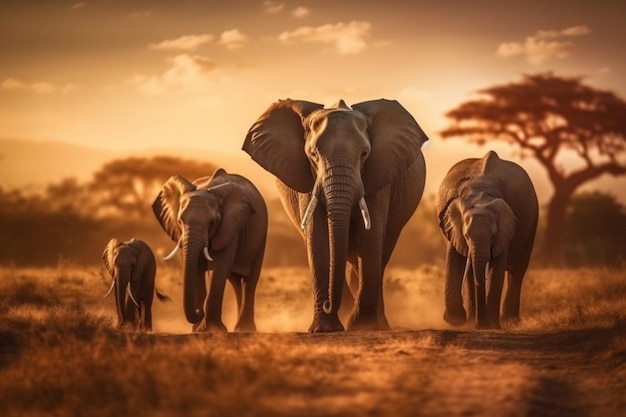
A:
x: 129, y: 75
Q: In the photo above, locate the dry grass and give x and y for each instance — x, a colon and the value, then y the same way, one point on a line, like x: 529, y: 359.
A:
x: 60, y: 353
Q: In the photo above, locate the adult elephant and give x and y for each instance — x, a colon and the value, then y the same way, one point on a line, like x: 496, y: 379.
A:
x: 488, y: 214
x: 333, y: 166
x: 220, y: 222
x: 133, y: 268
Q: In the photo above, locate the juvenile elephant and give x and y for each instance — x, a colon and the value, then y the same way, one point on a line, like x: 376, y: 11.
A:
x: 349, y: 179
x: 488, y: 214
x: 220, y: 222
x: 133, y: 269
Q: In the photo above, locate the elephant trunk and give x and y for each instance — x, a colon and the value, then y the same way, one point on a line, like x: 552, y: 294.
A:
x: 124, y: 311
x: 480, y: 261
x: 340, y: 195
x: 194, y: 266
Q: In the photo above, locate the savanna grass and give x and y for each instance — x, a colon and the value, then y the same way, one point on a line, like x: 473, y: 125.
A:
x: 60, y: 353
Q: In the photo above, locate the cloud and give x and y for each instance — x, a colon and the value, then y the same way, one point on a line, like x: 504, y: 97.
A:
x: 77, y: 6
x: 300, y: 12
x: 273, y: 6
x: 41, y: 87
x: 543, y: 45
x: 347, y: 38
x: 142, y: 14
x: 187, y: 73
x: 183, y: 43
x: 233, y: 39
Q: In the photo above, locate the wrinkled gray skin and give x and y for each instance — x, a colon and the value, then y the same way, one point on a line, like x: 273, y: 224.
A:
x: 488, y: 215
x: 337, y: 156
x: 133, y: 269
x: 227, y: 215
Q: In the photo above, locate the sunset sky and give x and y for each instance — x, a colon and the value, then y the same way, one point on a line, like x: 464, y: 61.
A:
x: 127, y: 75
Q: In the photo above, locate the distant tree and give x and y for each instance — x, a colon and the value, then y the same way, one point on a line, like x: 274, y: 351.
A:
x: 577, y: 133
x: 68, y: 195
x: 128, y: 186
x: 595, y: 226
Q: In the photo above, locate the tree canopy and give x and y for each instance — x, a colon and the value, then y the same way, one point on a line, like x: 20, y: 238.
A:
x: 576, y: 132
x: 128, y: 186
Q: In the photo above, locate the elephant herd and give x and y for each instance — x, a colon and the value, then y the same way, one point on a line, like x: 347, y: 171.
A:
x: 349, y: 179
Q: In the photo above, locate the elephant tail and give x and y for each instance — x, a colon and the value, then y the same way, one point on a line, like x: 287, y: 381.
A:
x: 162, y: 297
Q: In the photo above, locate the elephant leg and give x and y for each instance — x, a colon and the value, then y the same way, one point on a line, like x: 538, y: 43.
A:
x: 350, y: 288
x: 494, y: 291
x: 511, y: 307
x: 245, y: 323
x: 212, y: 320
x: 147, y: 316
x: 455, y: 313
x: 236, y: 283
x: 373, y: 248
x: 471, y: 294
x: 146, y: 306
x: 368, y: 313
x: 319, y: 254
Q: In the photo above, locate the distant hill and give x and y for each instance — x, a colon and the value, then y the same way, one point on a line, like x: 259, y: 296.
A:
x: 32, y: 165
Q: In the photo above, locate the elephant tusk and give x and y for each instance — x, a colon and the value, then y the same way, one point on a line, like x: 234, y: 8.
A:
x: 110, y: 289
x: 309, y: 210
x: 130, y: 294
x: 468, y: 265
x: 486, y: 271
x: 207, y: 255
x: 365, y: 213
x: 215, y: 187
x: 173, y: 252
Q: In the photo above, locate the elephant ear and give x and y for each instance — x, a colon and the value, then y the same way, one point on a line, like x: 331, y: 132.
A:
x: 107, y: 255
x: 167, y: 204
x: 145, y: 259
x: 236, y: 210
x: 396, y: 140
x: 507, y: 223
x: 451, y: 225
x: 276, y: 142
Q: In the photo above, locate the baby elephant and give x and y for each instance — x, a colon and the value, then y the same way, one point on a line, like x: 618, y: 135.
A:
x: 133, y: 268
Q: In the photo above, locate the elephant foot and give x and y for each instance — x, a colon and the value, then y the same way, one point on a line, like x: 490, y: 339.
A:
x: 209, y: 326
x: 487, y: 326
x: 366, y: 322
x: 245, y: 327
x: 455, y: 317
x: 511, y: 320
x: 326, y: 323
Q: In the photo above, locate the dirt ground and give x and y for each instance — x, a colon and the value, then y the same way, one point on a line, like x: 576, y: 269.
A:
x: 442, y: 373
x: 61, y: 355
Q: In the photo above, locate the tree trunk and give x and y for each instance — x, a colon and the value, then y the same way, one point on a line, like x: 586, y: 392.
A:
x: 552, y: 253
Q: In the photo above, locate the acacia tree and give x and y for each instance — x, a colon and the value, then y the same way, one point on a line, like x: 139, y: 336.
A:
x: 576, y: 132
x: 128, y: 186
